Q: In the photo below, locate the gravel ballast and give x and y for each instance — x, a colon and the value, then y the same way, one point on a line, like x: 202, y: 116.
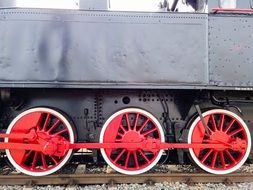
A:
x: 156, y: 186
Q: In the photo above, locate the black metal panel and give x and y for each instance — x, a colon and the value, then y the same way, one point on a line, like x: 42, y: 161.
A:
x: 89, y: 109
x: 80, y: 47
x: 230, y: 50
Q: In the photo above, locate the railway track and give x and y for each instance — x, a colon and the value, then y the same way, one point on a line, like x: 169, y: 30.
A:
x: 111, y: 179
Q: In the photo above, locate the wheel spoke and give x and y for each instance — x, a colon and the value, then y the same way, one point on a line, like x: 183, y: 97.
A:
x: 131, y: 125
x: 206, y: 156
x: 144, y: 156
x: 54, y: 126
x: 127, y: 159
x: 27, y: 155
x: 144, y: 125
x: 136, y: 159
x: 136, y: 121
x: 60, y: 132
x: 210, y: 130
x: 213, y: 122
x: 149, y: 131
x: 235, y: 132
x: 119, y: 156
x: 43, y: 160
x: 122, y: 128
x: 214, y: 158
x: 229, y: 125
x: 128, y: 122
x: 222, y: 159
x: 222, y: 116
x: 226, y: 127
x: 46, y: 122
x: 54, y: 160
x: 230, y: 156
x: 121, y: 135
x: 34, y: 162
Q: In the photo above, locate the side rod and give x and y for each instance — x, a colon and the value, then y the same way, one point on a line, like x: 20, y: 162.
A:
x: 143, y: 145
x: 146, y: 145
x: 20, y: 146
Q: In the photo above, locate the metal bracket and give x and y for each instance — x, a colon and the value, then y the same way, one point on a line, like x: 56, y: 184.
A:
x: 202, y: 119
x: 5, y: 94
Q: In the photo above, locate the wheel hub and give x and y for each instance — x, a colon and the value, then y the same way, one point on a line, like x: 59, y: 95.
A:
x: 43, y: 135
x: 53, y: 145
x: 132, y: 137
x: 220, y: 137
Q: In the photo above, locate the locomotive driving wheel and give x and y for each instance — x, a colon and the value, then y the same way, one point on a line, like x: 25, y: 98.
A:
x: 223, y: 126
x: 131, y: 125
x: 48, y: 125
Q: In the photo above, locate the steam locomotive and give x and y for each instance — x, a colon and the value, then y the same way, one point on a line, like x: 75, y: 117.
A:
x: 133, y: 87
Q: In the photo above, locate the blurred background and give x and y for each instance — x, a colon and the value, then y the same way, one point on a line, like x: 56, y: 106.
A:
x: 121, y: 5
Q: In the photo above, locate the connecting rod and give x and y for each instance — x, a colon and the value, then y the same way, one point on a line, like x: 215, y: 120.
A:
x: 59, y: 146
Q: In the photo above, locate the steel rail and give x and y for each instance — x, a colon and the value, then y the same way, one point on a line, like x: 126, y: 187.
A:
x: 85, y: 179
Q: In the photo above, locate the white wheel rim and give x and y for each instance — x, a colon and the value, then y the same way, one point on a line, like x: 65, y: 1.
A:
x: 196, y: 160
x: 131, y: 110
x: 71, y: 140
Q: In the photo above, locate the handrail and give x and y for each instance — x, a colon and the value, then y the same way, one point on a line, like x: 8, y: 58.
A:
x: 223, y: 10
x: 231, y: 6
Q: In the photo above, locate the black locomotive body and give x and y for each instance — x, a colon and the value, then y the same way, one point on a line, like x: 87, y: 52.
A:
x: 126, y: 77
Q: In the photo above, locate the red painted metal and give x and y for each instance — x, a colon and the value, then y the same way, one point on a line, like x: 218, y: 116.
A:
x: 30, y: 136
x: 232, y: 10
x: 141, y: 136
x: 37, y: 141
x: 58, y: 147
x: 226, y: 130
x: 20, y: 146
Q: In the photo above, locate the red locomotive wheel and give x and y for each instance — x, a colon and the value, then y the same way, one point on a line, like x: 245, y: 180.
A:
x: 48, y: 124
x: 224, y: 127
x: 131, y: 125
